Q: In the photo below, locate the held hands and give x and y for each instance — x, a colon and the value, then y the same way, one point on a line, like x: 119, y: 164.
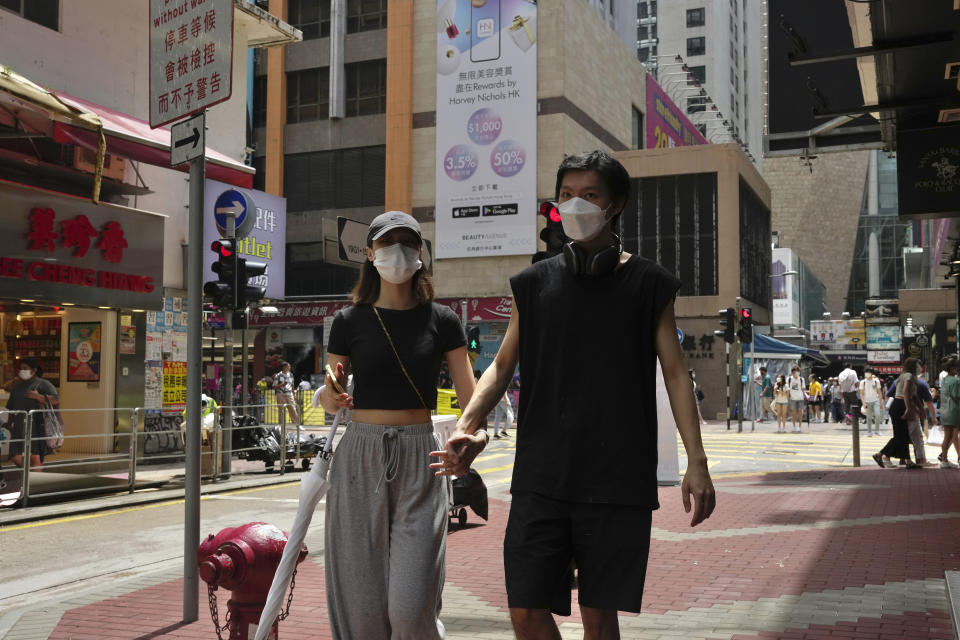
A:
x: 341, y: 400
x: 696, y: 482
x: 456, y: 458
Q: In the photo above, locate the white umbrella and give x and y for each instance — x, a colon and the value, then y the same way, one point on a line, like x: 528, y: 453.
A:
x: 313, y: 487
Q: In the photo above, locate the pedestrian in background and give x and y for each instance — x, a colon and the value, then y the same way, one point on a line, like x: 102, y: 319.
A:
x: 949, y: 413
x: 798, y: 396
x: 870, y: 392
x: 503, y: 414
x: 781, y: 400
x: 815, y: 398
x: 283, y: 387
x: 905, y: 407
x: 848, y: 387
x: 766, y: 395
x: 836, y: 400
x: 386, y: 519
x: 30, y: 392
x: 915, y: 427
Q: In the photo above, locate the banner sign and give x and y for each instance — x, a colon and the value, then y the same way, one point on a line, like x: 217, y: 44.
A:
x: 486, y: 132
x: 928, y: 172
x: 667, y: 124
x: 786, y: 288
x: 879, y: 311
x: 840, y: 334
x: 266, y: 242
x: 883, y: 356
x: 84, y: 358
x: 883, y: 338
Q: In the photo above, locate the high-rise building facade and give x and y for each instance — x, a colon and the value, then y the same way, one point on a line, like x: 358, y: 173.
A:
x: 719, y: 41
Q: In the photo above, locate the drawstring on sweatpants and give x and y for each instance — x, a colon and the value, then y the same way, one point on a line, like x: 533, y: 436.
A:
x: 389, y: 457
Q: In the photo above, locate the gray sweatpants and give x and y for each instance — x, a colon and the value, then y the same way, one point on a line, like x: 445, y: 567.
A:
x: 386, y: 535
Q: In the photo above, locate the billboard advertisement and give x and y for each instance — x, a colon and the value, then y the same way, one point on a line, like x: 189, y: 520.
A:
x: 667, y: 124
x: 883, y: 338
x: 882, y: 311
x: 786, y: 288
x: 266, y: 242
x: 486, y: 150
x: 838, y: 334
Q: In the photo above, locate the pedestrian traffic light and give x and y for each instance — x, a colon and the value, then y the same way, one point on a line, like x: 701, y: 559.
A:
x: 745, y: 330
x: 728, y: 320
x: 223, y: 291
x: 246, y: 292
x: 473, y: 339
x: 552, y: 234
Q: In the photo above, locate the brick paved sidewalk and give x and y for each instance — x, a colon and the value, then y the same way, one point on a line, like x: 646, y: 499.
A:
x: 833, y: 554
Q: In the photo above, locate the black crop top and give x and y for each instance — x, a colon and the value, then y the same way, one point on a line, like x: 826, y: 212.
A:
x: 422, y: 336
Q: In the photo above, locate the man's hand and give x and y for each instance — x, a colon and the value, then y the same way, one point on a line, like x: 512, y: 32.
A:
x: 456, y: 458
x: 696, y: 482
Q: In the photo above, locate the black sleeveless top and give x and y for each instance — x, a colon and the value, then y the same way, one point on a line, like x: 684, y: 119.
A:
x: 587, y: 425
x: 422, y: 336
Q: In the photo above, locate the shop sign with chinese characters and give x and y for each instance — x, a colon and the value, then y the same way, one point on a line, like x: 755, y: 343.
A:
x: 57, y: 248
x: 191, y: 57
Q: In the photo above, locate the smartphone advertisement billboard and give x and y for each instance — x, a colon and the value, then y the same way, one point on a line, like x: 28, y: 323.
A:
x: 486, y: 153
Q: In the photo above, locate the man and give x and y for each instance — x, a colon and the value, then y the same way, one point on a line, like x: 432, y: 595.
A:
x: 870, y: 393
x: 585, y: 474
x: 848, y: 387
x: 283, y: 386
x: 208, y: 407
x: 766, y: 395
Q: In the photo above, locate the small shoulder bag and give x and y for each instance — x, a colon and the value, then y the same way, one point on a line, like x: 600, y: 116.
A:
x: 399, y: 361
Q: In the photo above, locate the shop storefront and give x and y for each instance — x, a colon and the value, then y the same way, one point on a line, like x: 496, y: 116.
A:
x: 76, y: 279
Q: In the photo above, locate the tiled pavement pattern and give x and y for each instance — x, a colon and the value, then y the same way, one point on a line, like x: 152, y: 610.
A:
x: 851, y: 553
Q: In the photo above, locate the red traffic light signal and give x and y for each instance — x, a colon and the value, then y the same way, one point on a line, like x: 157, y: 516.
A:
x: 549, y: 211
x: 745, y: 314
x: 223, y: 248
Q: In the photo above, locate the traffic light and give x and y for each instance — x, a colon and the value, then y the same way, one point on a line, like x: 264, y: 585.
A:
x: 552, y: 234
x: 745, y: 331
x: 728, y: 320
x: 246, y: 292
x: 473, y: 339
x: 223, y: 291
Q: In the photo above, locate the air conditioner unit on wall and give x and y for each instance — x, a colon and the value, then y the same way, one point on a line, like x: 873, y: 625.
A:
x: 86, y: 160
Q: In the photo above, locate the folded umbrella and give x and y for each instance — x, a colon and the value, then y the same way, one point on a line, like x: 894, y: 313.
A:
x: 313, y: 487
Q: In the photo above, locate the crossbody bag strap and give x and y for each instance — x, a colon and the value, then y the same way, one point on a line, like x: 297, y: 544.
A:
x: 399, y: 361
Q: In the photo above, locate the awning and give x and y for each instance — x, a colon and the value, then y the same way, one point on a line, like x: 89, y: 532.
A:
x: 132, y: 138
x: 765, y: 345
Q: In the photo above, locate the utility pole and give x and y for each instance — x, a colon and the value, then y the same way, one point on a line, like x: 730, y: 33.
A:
x: 226, y: 441
x: 739, y: 373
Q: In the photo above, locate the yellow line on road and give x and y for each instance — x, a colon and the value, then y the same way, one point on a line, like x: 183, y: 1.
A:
x: 113, y: 512
x: 786, y: 460
x: 495, y: 469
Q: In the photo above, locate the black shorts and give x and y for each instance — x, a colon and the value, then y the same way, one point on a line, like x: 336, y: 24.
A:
x: 545, y: 537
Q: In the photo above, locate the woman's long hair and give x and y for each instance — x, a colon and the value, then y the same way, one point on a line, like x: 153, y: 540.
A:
x: 367, y: 289
x: 781, y: 383
x: 911, y: 365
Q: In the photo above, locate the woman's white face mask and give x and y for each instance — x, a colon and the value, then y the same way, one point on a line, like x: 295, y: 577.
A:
x: 397, y: 263
x: 25, y: 374
x: 581, y: 219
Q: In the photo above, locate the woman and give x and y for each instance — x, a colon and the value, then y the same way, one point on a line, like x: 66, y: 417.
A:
x: 781, y: 399
x: 906, y: 405
x: 798, y: 397
x: 30, y: 392
x: 949, y: 412
x: 815, y: 397
x: 386, y: 517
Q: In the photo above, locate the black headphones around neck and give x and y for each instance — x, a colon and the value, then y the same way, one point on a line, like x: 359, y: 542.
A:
x: 600, y: 263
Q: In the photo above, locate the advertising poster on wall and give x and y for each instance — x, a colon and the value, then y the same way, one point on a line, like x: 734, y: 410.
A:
x: 266, y: 242
x: 84, y: 362
x: 667, y: 125
x: 786, y: 288
x: 883, y: 338
x: 174, y: 386
x: 486, y: 153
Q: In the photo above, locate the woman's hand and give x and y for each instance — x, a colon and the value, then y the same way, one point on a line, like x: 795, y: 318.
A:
x: 456, y: 458
x: 36, y: 395
x: 330, y: 399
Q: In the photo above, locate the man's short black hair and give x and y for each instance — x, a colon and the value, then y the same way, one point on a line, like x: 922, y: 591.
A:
x: 764, y: 369
x: 614, y: 175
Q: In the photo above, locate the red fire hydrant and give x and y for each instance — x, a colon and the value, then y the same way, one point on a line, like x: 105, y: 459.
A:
x: 243, y: 559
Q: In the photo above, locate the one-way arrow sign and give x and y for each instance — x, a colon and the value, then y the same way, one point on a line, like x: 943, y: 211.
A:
x: 187, y: 140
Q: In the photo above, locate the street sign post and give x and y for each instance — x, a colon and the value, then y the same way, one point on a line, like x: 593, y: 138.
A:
x: 191, y: 57
x: 235, y: 214
x: 187, y: 140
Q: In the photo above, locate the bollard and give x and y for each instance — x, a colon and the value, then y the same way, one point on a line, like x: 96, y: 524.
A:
x: 243, y: 559
x: 855, y: 424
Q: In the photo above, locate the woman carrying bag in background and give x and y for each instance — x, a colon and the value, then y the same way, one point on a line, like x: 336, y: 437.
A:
x: 386, y: 520
x: 30, y: 392
x: 906, y: 406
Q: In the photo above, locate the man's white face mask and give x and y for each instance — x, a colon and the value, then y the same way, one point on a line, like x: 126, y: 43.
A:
x: 581, y: 219
x: 397, y: 263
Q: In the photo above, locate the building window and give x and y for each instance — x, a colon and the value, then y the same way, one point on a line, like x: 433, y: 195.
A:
x: 260, y: 101
x: 696, y: 46
x: 637, y: 140
x: 643, y: 32
x: 259, y: 164
x: 311, y: 17
x: 366, y: 88
x: 366, y: 15
x: 643, y: 54
x: 698, y: 73
x: 337, y: 179
x: 696, y: 17
x: 643, y: 10
x: 308, y: 95
x: 756, y: 256
x: 46, y: 13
